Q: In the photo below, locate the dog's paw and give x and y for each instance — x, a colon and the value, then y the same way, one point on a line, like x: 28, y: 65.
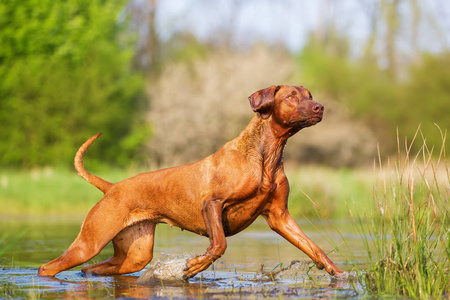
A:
x: 197, y: 264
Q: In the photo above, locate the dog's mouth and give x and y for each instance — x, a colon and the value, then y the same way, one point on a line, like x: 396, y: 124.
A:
x: 315, y: 119
x: 305, y: 118
x: 310, y: 121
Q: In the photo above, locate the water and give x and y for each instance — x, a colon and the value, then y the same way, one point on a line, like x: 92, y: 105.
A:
x: 249, y: 269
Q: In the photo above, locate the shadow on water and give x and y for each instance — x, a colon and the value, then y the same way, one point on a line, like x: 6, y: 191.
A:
x: 251, y: 267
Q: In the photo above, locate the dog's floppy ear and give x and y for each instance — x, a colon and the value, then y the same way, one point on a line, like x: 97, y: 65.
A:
x: 262, y: 101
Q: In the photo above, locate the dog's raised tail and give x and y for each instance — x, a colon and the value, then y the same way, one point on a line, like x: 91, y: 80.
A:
x: 101, y: 184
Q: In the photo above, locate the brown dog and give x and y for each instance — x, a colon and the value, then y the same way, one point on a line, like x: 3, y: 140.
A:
x: 216, y: 197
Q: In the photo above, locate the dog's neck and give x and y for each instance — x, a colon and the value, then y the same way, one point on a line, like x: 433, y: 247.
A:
x: 265, y: 141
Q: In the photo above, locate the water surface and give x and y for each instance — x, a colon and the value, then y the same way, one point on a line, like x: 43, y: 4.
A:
x: 237, y: 274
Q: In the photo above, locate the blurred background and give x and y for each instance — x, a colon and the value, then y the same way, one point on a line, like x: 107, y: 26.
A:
x: 167, y: 81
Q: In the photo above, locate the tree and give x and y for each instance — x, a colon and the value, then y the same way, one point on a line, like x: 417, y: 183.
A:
x: 425, y: 99
x: 64, y: 75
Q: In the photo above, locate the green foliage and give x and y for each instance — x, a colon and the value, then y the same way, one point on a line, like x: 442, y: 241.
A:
x: 426, y: 98
x: 359, y: 85
x: 372, y: 95
x: 186, y: 48
x: 326, y: 68
x: 64, y: 76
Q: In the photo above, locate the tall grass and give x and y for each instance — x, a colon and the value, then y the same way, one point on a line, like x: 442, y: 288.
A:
x: 406, y: 232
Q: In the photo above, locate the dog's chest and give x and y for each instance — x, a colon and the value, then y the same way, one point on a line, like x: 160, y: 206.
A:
x: 239, y: 214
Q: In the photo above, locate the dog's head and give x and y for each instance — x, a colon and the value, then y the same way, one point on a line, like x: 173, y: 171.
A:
x: 289, y: 106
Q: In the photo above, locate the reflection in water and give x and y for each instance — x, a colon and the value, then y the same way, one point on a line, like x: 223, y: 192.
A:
x: 237, y: 274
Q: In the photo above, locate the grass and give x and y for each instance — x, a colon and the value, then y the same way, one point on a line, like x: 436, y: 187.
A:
x: 42, y: 193
x: 406, y: 229
x: 330, y: 188
x: 408, y: 225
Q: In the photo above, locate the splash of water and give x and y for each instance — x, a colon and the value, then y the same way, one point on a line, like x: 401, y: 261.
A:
x: 346, y: 276
x: 271, y: 275
x: 167, y: 267
x: 297, y: 265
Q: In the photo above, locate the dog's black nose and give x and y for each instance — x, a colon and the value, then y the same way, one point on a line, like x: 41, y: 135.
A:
x: 317, y: 108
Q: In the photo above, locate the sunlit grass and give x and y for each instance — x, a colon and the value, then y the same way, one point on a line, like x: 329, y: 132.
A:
x: 408, y: 227
x: 330, y: 188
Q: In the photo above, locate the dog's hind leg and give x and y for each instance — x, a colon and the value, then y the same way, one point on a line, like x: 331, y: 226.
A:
x: 95, y: 233
x: 133, y: 250
x: 105, y: 223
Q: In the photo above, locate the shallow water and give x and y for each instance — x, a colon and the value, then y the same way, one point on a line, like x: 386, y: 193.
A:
x: 236, y: 275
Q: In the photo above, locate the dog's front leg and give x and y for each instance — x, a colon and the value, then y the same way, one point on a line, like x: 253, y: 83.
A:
x: 277, y: 215
x: 212, y: 215
x: 281, y: 221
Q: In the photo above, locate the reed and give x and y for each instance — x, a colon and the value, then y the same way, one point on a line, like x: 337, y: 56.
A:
x: 406, y: 231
